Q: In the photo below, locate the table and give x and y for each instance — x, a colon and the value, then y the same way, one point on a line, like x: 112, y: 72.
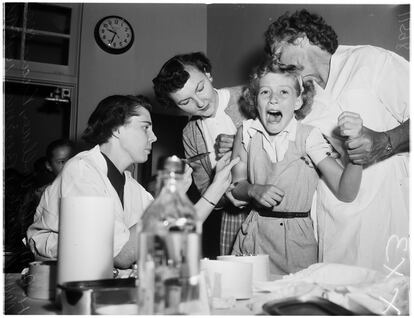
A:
x: 16, y: 302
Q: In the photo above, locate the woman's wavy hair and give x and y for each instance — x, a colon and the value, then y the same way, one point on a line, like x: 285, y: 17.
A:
x: 306, y: 89
x: 111, y: 113
x: 289, y: 27
x: 173, y: 75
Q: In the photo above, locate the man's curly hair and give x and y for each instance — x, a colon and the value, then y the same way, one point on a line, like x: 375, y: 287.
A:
x: 289, y: 27
x: 306, y: 89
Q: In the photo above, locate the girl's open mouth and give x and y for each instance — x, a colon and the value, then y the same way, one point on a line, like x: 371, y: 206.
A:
x: 274, y: 116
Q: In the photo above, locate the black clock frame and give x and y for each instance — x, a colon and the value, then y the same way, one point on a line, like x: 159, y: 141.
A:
x: 106, y: 48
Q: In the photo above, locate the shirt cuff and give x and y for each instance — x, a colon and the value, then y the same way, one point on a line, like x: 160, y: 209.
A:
x: 317, y: 147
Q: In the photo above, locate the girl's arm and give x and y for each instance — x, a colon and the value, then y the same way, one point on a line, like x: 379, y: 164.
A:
x: 266, y: 195
x: 344, y: 183
x: 239, y: 171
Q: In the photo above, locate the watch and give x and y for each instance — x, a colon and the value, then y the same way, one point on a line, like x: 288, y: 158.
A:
x: 114, y: 34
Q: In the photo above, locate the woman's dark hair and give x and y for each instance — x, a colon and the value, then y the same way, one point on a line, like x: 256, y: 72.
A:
x: 173, y: 75
x: 306, y: 89
x: 111, y: 113
x: 290, y: 27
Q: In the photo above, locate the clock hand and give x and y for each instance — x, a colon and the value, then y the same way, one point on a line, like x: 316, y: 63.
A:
x: 113, y: 38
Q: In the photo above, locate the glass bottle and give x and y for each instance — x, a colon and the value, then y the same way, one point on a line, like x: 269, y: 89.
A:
x: 169, y: 247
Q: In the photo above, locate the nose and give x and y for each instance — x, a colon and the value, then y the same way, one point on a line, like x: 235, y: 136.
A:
x: 152, y: 138
x: 274, y: 98
x: 199, y: 102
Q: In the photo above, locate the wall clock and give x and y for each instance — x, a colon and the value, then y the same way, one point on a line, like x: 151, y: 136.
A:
x: 114, y: 34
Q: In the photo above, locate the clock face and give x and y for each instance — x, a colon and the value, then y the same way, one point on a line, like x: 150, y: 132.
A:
x: 114, y: 34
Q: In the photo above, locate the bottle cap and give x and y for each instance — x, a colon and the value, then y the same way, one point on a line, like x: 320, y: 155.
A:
x: 173, y: 164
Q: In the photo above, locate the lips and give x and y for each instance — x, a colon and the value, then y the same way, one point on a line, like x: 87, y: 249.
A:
x: 274, y: 116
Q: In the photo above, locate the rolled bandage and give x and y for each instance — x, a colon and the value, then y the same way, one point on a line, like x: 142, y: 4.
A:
x: 41, y: 280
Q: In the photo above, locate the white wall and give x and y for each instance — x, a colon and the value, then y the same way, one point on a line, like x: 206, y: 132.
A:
x: 161, y: 31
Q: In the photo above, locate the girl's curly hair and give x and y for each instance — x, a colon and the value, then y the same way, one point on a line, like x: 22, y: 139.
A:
x: 289, y: 27
x: 306, y: 89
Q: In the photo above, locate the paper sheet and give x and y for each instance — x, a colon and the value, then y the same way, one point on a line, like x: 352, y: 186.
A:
x: 86, y: 233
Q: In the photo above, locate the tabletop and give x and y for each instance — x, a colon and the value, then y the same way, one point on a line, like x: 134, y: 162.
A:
x: 16, y: 302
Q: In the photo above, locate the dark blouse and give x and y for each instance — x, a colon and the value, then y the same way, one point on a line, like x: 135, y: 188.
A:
x: 117, y: 179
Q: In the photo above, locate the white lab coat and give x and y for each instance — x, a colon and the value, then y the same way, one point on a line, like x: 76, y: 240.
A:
x: 373, y: 230
x: 85, y: 175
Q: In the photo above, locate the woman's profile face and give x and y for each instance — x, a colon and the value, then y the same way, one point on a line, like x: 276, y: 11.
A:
x: 197, y: 97
x: 136, y: 136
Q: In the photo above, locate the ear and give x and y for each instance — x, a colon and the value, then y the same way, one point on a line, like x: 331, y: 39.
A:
x: 210, y: 78
x: 299, y: 102
x: 48, y: 166
x: 115, y: 133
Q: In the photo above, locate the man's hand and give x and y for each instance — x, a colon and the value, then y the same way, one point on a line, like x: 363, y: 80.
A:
x: 224, y: 144
x: 266, y: 195
x: 368, y: 148
x: 364, y: 146
x: 350, y: 125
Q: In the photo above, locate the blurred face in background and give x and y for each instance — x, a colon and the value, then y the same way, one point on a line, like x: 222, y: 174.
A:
x: 60, y: 156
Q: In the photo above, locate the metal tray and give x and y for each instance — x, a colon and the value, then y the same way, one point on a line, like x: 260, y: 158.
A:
x: 305, y: 305
x: 87, y: 297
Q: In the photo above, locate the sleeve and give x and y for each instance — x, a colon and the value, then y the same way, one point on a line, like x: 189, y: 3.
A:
x: 42, y: 235
x: 200, y: 176
x: 77, y: 179
x: 247, y: 133
x: 317, y: 147
x: 391, y: 84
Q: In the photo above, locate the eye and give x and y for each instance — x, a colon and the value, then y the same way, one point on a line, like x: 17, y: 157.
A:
x: 200, y: 88
x: 284, y: 92
x: 264, y: 92
x: 184, y: 102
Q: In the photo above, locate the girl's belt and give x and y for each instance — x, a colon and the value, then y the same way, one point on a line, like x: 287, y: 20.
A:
x: 283, y: 215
